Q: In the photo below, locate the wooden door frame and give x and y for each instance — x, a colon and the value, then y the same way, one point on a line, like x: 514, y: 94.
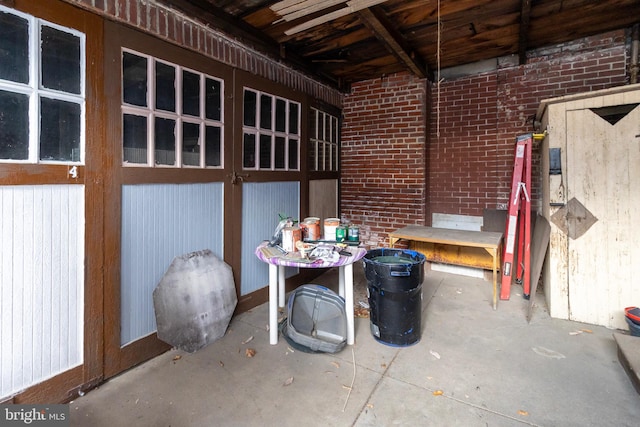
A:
x: 117, y: 36
x: 66, y: 386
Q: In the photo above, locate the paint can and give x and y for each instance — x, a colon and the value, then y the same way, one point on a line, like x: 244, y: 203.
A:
x: 341, y: 233
x: 290, y: 236
x: 353, y: 233
x: 312, y: 228
x: 330, y: 225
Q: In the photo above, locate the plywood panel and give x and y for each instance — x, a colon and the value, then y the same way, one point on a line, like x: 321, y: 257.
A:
x: 41, y: 283
x: 323, y: 198
x: 160, y: 222
x: 603, y: 175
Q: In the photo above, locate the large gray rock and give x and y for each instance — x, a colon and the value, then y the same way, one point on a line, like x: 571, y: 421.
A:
x: 194, y: 301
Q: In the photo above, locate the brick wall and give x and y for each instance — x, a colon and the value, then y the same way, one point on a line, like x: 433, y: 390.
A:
x: 480, y: 117
x: 383, y: 155
x: 175, y: 27
x: 470, y: 152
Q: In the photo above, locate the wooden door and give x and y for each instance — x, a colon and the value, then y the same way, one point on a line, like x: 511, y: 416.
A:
x: 603, y: 174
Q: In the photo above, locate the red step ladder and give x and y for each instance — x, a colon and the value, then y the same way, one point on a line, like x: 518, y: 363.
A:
x: 518, y: 225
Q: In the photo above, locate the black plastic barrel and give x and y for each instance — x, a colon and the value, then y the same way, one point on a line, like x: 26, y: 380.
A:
x: 394, y: 287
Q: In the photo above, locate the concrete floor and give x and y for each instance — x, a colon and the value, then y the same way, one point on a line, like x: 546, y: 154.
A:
x: 473, y: 367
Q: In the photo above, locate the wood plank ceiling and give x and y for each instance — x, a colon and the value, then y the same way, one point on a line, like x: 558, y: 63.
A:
x: 341, y: 42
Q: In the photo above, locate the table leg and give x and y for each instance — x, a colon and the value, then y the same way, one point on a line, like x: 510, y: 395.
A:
x: 281, y: 282
x: 273, y: 304
x: 341, y: 282
x: 495, y: 278
x: 347, y: 275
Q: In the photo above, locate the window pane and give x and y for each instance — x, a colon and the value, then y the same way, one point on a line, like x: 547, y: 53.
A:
x: 293, y: 118
x: 265, y: 151
x: 249, y: 151
x: 14, y: 126
x: 134, y: 79
x: 334, y: 126
x: 165, y: 141
x: 134, y: 136
x: 249, y: 108
x: 321, y: 126
x: 14, y: 48
x: 60, y: 60
x: 165, y: 87
x: 213, y: 152
x: 281, y: 115
x: 190, y: 94
x: 265, y: 111
x: 313, y: 128
x: 313, y: 156
x: 293, y: 155
x: 59, y: 130
x: 334, y: 157
x: 280, y: 153
x: 191, y: 144
x: 214, y: 100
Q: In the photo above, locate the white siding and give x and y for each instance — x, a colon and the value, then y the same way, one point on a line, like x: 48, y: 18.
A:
x: 41, y: 283
x: 261, y: 205
x: 160, y: 222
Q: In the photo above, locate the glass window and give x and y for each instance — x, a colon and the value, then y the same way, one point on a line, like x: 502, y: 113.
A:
x: 134, y: 79
x: 60, y: 60
x: 14, y: 126
x: 190, y: 144
x: 134, y: 136
x: 270, y: 137
x: 190, y: 94
x: 60, y: 130
x: 214, y: 99
x: 250, y: 108
x: 187, y: 122
x: 249, y: 151
x: 41, y: 121
x: 14, y: 48
x: 213, y: 146
x: 165, y: 87
x: 323, y: 141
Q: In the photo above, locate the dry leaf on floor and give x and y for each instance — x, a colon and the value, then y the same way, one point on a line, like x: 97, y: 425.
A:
x: 336, y: 364
x: 250, y: 352
x: 369, y: 405
x: 247, y: 340
x: 289, y: 381
x: 346, y: 387
x: 524, y: 413
x: 589, y: 331
x: 435, y: 354
x: 438, y: 393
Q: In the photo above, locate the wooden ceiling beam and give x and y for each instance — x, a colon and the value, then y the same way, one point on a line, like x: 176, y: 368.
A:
x: 375, y: 19
x: 523, y: 39
x: 246, y: 34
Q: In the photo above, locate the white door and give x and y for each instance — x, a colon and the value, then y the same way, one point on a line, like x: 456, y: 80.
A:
x: 603, y: 174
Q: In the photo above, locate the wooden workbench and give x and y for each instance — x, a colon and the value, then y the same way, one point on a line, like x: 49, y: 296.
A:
x: 480, y: 249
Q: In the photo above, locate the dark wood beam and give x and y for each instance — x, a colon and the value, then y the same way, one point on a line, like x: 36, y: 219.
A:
x: 217, y: 18
x: 523, y: 39
x: 375, y: 19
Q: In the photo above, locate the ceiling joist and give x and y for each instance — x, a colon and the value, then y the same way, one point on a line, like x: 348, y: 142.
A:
x: 523, y: 39
x: 352, y: 7
x: 374, y: 19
